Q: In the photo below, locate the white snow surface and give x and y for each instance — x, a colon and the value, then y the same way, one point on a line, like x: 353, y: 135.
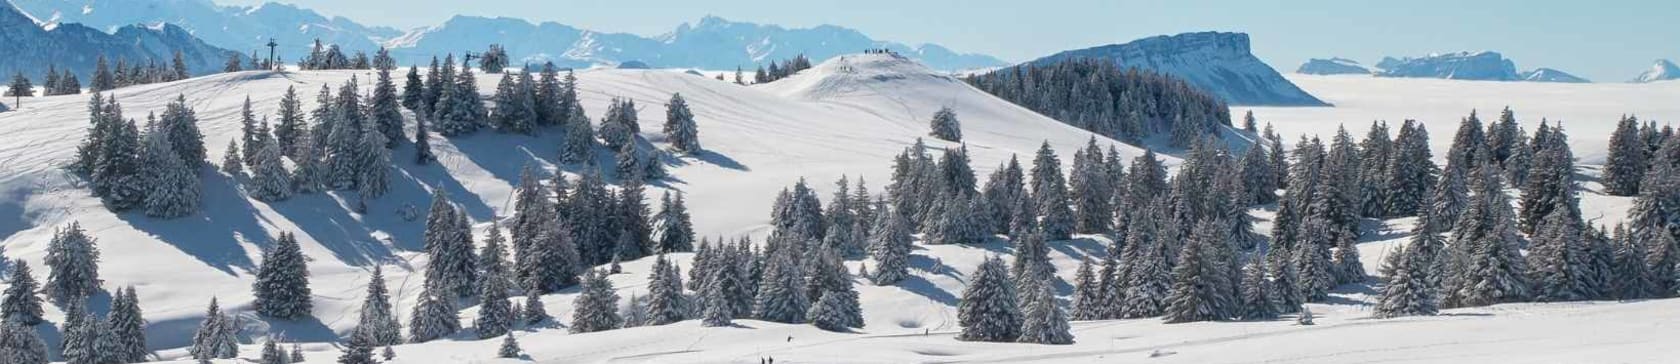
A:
x: 846, y: 116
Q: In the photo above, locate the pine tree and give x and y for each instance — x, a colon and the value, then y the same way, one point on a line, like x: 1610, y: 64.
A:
x: 680, y: 127
x: 515, y: 110
x: 271, y: 352
x: 184, y: 136
x: 1413, y: 281
x: 1091, y: 191
x: 215, y: 336
x: 717, y: 310
x: 1493, y: 269
x: 892, y: 245
x: 102, y: 78
x: 1087, y: 294
x: 21, y: 306
x: 988, y: 311
x: 509, y: 348
x: 231, y: 165
x: 434, y: 315
x: 1257, y: 301
x: 458, y: 111
x: 269, y: 180
x: 548, y: 109
x: 358, y: 350
x: 297, y: 353
x: 376, y: 320
x: 676, y: 232
x: 384, y: 109
x: 827, y: 313
x: 945, y: 125
x: 532, y: 312
x: 125, y: 329
x: 291, y: 127
x: 665, y: 298
x: 619, y: 126
x: 73, y: 260
x: 1042, y: 321
x: 414, y: 90
x: 495, y: 312
x: 1410, y: 171
x: 596, y: 306
x: 1557, y: 260
x: 1625, y: 166
x: 282, y: 286
x: 82, y: 342
x: 449, y: 244
x: 173, y: 182
x: 781, y: 295
x: 20, y: 344
x: 1198, y: 289
x: 579, y: 145
x: 1145, y: 280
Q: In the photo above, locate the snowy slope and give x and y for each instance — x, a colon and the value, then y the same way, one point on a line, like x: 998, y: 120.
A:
x: 760, y: 139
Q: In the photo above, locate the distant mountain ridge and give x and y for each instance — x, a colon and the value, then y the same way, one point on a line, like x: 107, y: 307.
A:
x: 1332, y: 66
x: 1661, y: 70
x: 1479, y: 66
x: 1220, y: 63
x: 31, y: 47
x: 711, y: 43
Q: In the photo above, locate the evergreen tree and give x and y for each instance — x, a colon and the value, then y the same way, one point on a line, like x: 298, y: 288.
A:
x: 988, y: 310
x: 1042, y: 321
x: 596, y: 306
x: 945, y: 125
x: 1375, y: 153
x: 1198, y: 289
x: 231, y: 165
x: 73, y: 260
x: 676, y: 232
x: 184, y: 136
x: 173, y: 183
x: 19, y: 88
x: 1410, y: 171
x: 548, y: 93
x: 827, y: 313
x: 780, y: 295
x: 509, y: 348
x: 892, y: 245
x: 434, y: 85
x: 309, y: 174
x: 20, y: 344
x: 665, y: 298
x: 579, y: 145
x: 102, y: 78
x: 532, y: 312
x: 282, y: 286
x: 271, y: 352
x: 384, y: 109
x: 1146, y: 278
x: 269, y: 180
x: 434, y: 315
x: 215, y: 338
x: 680, y: 127
x: 1493, y: 269
x: 495, y: 312
x: 358, y: 350
x: 1087, y: 294
x: 717, y: 310
x: 515, y: 109
x: 1550, y: 184
x: 1625, y: 166
x: 414, y: 90
x: 459, y: 111
x: 376, y: 320
x: 1258, y: 300
x: 1313, y: 259
x: 1557, y: 261
x: 1091, y: 191
x: 1413, y: 281
x: 21, y: 306
x: 449, y: 244
x: 291, y: 127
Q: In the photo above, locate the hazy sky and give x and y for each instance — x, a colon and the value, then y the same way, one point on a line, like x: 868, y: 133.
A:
x: 1605, y: 40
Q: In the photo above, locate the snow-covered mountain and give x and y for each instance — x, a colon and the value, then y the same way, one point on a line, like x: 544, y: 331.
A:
x: 1550, y: 75
x: 30, y: 46
x: 1483, y: 66
x: 1332, y: 66
x: 1662, y: 70
x: 1217, y: 62
x: 711, y: 43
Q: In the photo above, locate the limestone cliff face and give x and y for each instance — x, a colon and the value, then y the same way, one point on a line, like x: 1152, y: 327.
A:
x: 1220, y: 63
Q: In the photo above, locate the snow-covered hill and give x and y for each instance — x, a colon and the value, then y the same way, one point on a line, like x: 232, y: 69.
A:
x: 857, y: 112
x: 1550, y: 75
x: 1219, y: 63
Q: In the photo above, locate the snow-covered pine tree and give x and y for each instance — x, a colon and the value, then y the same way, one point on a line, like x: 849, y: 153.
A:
x: 988, y: 310
x: 376, y: 319
x: 717, y: 311
x: 21, y: 305
x: 373, y: 174
x: 676, y: 232
x: 665, y: 297
x: 20, y: 344
x: 184, y: 137
x: 459, y: 111
x: 414, y: 90
x: 1626, y: 163
x: 781, y: 296
x: 515, y: 111
x: 495, y: 312
x: 619, y: 127
x: 291, y: 126
x: 1145, y: 281
x: 282, y: 285
x: 449, y: 243
x: 1467, y: 142
x: 1550, y: 184
x: 384, y: 109
x: 434, y: 315
x: 1411, y: 289
x: 269, y: 180
x: 596, y: 306
x: 680, y: 128
x: 1258, y: 184
x: 1345, y: 262
x: 215, y: 338
x: 1043, y: 322
x: 1091, y: 191
x: 1375, y: 153
x: 1493, y: 270
x: 86, y: 341
x: 272, y: 353
x: 1258, y: 301
x: 1087, y: 294
x: 533, y: 312
x: 1410, y: 171
x: 1003, y: 187
x: 547, y: 94
x: 509, y: 349
x: 828, y: 312
x: 173, y: 182
x: 309, y: 175
x: 1557, y: 261
x: 945, y: 126
x: 1198, y: 289
x: 73, y: 260
x: 357, y: 350
x: 1313, y: 259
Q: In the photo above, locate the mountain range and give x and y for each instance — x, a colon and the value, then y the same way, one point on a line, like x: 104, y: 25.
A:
x: 31, y: 46
x: 1662, y: 70
x: 711, y: 43
x: 1218, y: 62
x: 1479, y: 66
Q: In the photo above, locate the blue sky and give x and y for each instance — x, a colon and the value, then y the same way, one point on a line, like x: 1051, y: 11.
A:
x: 1603, y: 40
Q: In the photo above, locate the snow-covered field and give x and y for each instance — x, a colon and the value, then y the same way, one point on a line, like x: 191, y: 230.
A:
x: 843, y: 117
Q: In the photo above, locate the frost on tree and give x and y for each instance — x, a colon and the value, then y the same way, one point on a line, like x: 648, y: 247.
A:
x: 680, y: 128
x: 596, y: 306
x: 172, y: 177
x: 127, y: 328
x: 73, y: 260
x: 988, y: 310
x: 21, y: 305
x: 282, y: 285
x: 216, y: 336
x: 376, y: 319
x: 945, y: 126
x: 495, y: 312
